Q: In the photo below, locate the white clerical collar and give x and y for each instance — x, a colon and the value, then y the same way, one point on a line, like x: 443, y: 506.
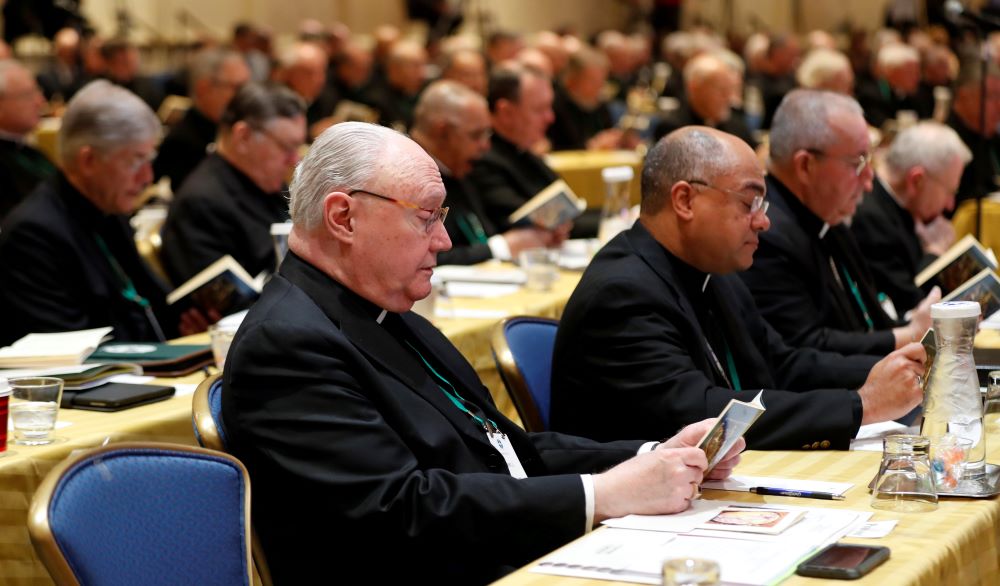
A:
x: 705, y: 284
x: 381, y: 317
x: 824, y: 230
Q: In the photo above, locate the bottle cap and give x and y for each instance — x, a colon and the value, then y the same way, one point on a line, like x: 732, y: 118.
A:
x: 948, y: 309
x: 617, y: 174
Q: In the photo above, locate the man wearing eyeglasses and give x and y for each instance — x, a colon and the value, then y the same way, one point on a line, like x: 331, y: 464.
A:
x: 214, y: 76
x: 367, y: 434
x: 230, y: 200
x: 810, y: 278
x: 661, y: 332
x: 900, y: 225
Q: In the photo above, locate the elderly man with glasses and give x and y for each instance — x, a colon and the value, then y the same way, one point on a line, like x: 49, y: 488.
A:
x: 364, y: 429
x: 661, y: 332
x: 230, y: 200
x: 810, y: 278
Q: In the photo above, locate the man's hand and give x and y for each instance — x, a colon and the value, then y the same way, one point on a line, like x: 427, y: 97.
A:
x: 920, y: 320
x: 660, y: 482
x: 893, y: 387
x: 519, y: 239
x: 605, y: 140
x: 936, y: 236
x: 692, y: 434
x: 193, y: 321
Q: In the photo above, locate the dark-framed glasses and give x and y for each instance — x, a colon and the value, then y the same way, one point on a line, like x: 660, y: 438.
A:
x: 758, y: 205
x: 436, y: 214
x: 859, y: 162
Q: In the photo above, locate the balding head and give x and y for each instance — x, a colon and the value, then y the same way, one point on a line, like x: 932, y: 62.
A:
x: 711, y: 84
x: 303, y: 68
x: 466, y: 66
x: 452, y: 123
x: 405, y: 67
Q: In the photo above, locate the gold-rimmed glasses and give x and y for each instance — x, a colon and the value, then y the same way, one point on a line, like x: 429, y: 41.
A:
x: 859, y: 162
x: 758, y: 205
x: 435, y: 213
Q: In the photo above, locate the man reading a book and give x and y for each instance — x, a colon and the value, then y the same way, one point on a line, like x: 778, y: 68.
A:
x: 364, y: 429
x: 900, y: 225
x: 661, y: 331
x: 809, y: 277
x: 452, y: 123
x: 67, y: 256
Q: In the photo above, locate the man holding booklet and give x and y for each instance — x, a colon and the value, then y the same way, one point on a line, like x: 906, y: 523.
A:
x: 661, y: 331
x: 366, y: 431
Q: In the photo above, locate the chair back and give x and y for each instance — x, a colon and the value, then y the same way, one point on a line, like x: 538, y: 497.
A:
x: 522, y: 348
x: 144, y: 513
x: 206, y: 417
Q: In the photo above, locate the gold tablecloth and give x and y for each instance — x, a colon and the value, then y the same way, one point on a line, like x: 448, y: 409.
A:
x: 957, y: 544
x: 23, y: 467
x: 582, y: 172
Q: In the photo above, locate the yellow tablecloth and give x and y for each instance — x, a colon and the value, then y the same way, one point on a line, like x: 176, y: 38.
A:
x: 23, y: 467
x: 958, y: 544
x: 582, y: 172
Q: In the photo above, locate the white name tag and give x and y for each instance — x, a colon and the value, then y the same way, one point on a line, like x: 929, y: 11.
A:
x: 503, y: 445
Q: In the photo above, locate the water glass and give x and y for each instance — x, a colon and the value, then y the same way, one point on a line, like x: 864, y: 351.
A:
x: 34, y: 406
x: 905, y: 482
x: 541, y: 265
x: 690, y: 572
x: 221, y: 336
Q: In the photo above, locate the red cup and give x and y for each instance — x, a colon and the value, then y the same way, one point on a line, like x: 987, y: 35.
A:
x: 4, y: 414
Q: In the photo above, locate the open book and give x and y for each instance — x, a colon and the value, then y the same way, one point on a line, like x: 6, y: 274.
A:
x: 984, y: 287
x: 551, y: 207
x: 224, y: 286
x: 963, y: 261
x: 734, y: 421
x: 59, y: 348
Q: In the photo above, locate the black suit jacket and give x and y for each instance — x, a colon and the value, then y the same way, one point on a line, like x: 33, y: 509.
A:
x: 632, y: 359
x: 467, y: 224
x: 22, y: 168
x: 573, y: 125
x: 56, y: 278
x: 361, y: 466
x: 184, y: 147
x: 885, y: 232
x: 220, y: 211
x: 506, y: 177
x: 795, y: 288
x: 685, y: 116
x: 881, y: 103
x: 980, y: 176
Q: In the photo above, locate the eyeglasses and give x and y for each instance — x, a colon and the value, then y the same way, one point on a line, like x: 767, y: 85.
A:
x: 860, y: 162
x: 758, y: 205
x: 288, y: 149
x: 435, y: 213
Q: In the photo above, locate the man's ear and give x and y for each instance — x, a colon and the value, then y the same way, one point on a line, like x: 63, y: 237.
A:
x: 682, y: 200
x: 338, y: 215
x: 240, y: 133
x: 85, y: 159
x: 915, y: 178
x: 802, y: 165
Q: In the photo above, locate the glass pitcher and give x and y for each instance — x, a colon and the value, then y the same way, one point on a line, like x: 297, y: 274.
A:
x: 952, y: 402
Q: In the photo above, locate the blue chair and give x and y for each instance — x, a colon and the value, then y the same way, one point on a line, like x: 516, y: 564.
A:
x: 522, y: 348
x: 206, y: 417
x: 144, y: 513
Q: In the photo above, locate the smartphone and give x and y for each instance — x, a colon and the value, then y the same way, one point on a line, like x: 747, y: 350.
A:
x: 843, y: 561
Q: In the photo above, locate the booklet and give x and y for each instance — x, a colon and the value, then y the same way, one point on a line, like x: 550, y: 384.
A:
x: 551, y: 207
x: 984, y: 287
x: 51, y: 349
x: 747, y: 520
x: 962, y: 262
x: 733, y: 422
x: 224, y: 286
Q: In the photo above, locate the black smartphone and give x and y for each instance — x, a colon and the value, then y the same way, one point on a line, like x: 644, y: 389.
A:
x: 843, y: 561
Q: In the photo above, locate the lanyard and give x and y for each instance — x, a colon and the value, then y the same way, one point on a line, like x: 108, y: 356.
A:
x: 488, y: 424
x: 128, y: 290
x: 472, y: 228
x: 855, y: 292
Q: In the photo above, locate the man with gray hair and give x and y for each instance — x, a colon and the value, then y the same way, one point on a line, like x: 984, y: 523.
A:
x: 361, y: 422
x: 228, y: 203
x: 826, y: 69
x: 452, y: 123
x: 67, y: 256
x: 810, y: 279
x: 215, y: 75
x: 661, y: 332
x: 895, y: 86
x: 900, y: 225
x: 22, y: 166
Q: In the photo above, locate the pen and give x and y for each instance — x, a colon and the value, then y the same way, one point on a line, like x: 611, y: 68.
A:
x: 806, y: 494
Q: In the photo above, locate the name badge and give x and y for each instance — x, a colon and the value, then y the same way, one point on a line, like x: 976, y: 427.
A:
x: 503, y: 445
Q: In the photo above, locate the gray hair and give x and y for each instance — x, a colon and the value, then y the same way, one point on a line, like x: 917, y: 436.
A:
x: 686, y: 154
x: 442, y: 100
x: 819, y: 66
x: 207, y: 63
x: 344, y: 157
x: 105, y: 117
x: 896, y: 55
x: 931, y: 145
x: 802, y: 121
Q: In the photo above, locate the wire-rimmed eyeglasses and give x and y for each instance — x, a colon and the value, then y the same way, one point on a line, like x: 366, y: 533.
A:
x: 757, y: 205
x: 435, y: 213
x: 859, y: 162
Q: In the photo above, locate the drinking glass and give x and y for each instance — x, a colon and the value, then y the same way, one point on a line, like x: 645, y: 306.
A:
x: 541, y: 265
x: 690, y: 572
x: 905, y: 483
x: 34, y: 406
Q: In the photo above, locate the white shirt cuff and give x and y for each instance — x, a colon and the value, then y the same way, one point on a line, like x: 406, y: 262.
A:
x: 588, y: 499
x: 647, y: 447
x: 498, y: 246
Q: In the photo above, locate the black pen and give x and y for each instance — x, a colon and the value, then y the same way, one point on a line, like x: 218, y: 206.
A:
x: 806, y: 494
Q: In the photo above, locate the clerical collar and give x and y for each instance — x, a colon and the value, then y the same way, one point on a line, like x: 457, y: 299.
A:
x: 693, y: 281
x: 381, y: 316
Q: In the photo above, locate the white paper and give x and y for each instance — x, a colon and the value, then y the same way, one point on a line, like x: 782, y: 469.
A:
x: 745, y: 483
x: 869, y: 438
x: 699, y: 512
x: 479, y: 290
x: 472, y: 274
x: 185, y: 389
x: 73, y: 346
x: 873, y: 529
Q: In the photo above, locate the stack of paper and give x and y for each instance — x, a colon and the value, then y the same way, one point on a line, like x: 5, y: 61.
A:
x: 39, y: 350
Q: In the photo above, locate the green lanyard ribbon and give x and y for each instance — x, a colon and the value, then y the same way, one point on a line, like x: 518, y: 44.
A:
x: 453, y: 395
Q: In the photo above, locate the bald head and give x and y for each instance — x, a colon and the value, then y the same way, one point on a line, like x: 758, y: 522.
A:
x: 711, y: 84
x: 405, y: 67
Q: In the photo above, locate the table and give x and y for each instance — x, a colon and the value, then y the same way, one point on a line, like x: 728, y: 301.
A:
x: 959, y: 543
x: 582, y: 172
x: 24, y: 467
